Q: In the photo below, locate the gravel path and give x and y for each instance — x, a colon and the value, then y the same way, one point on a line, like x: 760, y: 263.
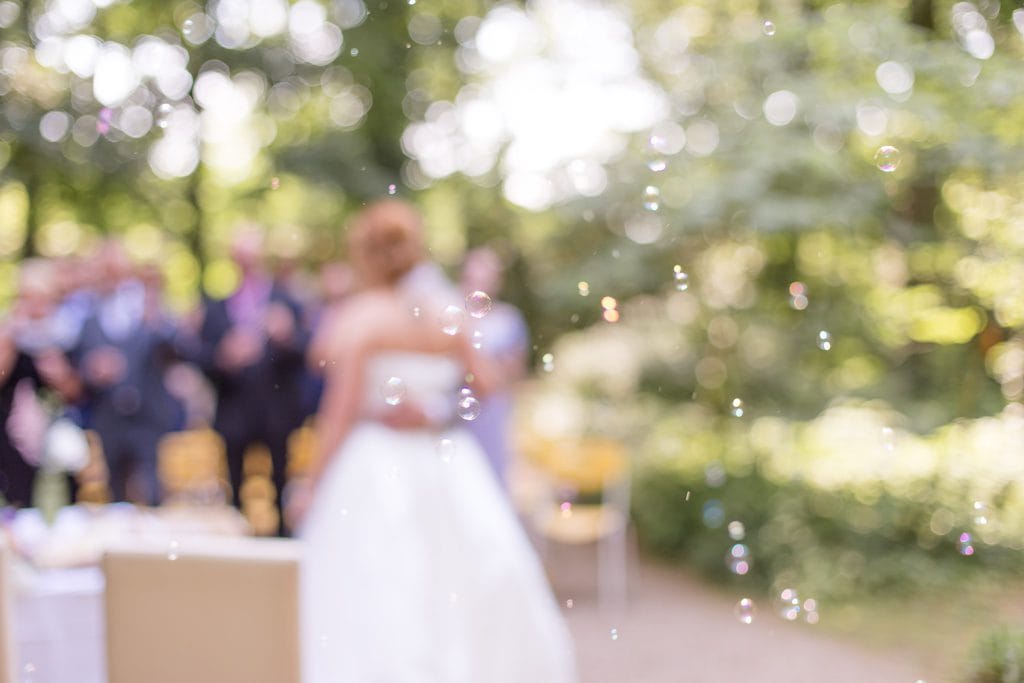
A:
x: 677, y: 629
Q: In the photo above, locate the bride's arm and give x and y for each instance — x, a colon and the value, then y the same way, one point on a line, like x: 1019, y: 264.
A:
x: 339, y: 405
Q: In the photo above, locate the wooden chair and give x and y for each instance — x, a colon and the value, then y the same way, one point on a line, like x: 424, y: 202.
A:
x: 8, y: 658
x: 204, y: 610
x: 301, y: 448
x: 192, y: 466
x: 584, y: 498
x: 94, y: 479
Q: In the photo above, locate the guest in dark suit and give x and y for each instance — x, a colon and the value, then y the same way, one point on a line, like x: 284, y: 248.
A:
x: 17, y: 474
x: 123, y: 352
x: 31, y: 359
x: 252, y: 347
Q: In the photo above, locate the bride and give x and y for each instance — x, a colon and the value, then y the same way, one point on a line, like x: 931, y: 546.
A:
x: 416, y: 569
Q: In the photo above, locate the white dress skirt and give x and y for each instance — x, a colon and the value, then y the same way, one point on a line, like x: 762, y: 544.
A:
x: 416, y: 569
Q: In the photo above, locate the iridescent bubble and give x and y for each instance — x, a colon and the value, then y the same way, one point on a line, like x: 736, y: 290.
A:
x: 478, y: 304
x: 737, y: 531
x: 609, y: 303
x: 887, y: 158
x: 681, y: 278
x: 162, y: 112
x: 354, y: 52
x: 888, y: 438
x: 737, y: 407
x: 738, y: 559
x: 392, y: 189
x: 584, y: 288
x: 569, y: 603
x: 468, y: 408
x: 824, y: 340
x: 172, y: 551
x: 416, y: 311
x: 789, y: 604
x: 275, y: 183
x: 446, y: 450
x: 566, y: 509
x: 745, y: 610
x: 980, y: 513
x: 798, y: 296
x: 712, y: 514
x: 393, y: 390
x: 652, y: 198
x: 657, y: 165
x: 465, y: 391
x: 966, y: 546
x: 451, y: 319
x: 811, y: 611
x: 103, y: 119
x: 615, y: 634
x: 548, y: 360
x: 768, y: 27
x: 478, y: 339
x: 714, y: 474
x: 187, y: 26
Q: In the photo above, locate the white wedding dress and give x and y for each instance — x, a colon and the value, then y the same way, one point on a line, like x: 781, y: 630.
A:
x: 416, y: 569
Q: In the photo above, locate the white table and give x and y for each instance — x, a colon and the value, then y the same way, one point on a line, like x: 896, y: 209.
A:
x: 58, y: 611
x: 59, y: 629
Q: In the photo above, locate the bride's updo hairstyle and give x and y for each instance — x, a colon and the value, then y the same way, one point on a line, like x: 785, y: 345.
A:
x: 385, y: 241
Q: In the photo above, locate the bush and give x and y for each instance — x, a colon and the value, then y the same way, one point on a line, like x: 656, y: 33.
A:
x: 997, y: 657
x: 827, y: 521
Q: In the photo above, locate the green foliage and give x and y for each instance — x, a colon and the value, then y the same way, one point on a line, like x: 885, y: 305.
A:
x: 851, y: 524
x: 997, y: 657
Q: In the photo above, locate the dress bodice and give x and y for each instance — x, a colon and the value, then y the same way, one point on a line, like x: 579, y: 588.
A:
x: 427, y: 380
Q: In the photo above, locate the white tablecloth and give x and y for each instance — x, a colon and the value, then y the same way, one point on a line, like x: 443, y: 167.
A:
x: 57, y: 611
x: 59, y: 628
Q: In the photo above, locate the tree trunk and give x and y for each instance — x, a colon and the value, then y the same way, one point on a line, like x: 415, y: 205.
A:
x: 922, y: 13
x: 195, y: 235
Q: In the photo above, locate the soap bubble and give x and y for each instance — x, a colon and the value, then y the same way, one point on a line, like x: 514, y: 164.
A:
x: 478, y: 304
x: 745, y: 610
x: 393, y: 390
x: 451, y: 320
x: 887, y: 158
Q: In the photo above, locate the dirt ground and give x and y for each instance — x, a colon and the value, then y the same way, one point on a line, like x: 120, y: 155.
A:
x: 676, y: 629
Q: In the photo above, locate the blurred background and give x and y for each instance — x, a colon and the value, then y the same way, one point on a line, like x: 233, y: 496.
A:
x: 771, y: 254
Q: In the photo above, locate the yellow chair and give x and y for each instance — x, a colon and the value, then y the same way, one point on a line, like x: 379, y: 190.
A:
x: 585, y: 500
x: 94, y: 478
x: 192, y: 466
x: 204, y: 610
x: 301, y: 449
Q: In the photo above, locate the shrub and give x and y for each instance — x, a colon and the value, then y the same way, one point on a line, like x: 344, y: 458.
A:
x: 997, y: 657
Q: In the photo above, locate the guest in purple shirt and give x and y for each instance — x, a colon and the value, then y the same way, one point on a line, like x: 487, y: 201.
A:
x: 251, y: 346
x: 501, y: 334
